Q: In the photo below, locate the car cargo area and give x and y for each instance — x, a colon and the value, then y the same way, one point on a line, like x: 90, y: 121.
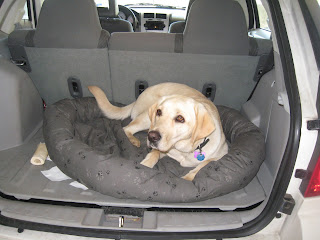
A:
x: 241, y: 78
x: 20, y: 180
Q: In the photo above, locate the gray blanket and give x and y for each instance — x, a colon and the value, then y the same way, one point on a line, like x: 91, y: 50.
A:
x: 95, y: 151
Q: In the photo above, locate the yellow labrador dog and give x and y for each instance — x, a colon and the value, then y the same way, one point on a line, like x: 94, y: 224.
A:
x: 182, y: 124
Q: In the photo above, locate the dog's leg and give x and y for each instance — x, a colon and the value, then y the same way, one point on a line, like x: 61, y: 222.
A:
x: 152, y: 158
x: 140, y: 123
x: 190, y: 175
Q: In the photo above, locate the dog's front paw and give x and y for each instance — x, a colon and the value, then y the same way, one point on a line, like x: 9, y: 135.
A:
x: 189, y: 176
x: 135, y: 141
x: 146, y: 162
x: 151, y: 159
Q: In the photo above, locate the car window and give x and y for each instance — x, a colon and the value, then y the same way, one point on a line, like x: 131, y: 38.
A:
x: 26, y: 13
x: 102, y: 3
x: 25, y: 20
x: 263, y: 17
x: 159, y: 3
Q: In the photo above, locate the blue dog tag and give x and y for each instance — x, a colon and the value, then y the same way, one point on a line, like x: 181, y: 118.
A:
x: 200, y: 157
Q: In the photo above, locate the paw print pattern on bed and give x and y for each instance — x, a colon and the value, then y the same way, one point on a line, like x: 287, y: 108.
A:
x: 96, y: 152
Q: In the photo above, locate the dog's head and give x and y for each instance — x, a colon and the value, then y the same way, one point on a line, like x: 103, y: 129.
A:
x: 178, y: 121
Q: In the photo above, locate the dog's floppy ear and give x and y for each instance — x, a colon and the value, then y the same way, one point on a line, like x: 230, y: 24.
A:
x: 152, y: 111
x: 204, y: 125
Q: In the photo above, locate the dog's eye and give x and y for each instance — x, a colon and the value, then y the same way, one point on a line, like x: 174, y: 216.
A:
x: 180, y: 119
x: 159, y: 113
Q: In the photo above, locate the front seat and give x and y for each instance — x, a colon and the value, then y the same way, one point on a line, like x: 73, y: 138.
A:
x: 178, y: 27
x: 110, y: 20
x: 67, y: 51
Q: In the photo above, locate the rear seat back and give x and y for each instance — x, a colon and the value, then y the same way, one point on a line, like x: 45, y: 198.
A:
x: 68, y: 50
x: 198, y: 58
x: 206, y: 53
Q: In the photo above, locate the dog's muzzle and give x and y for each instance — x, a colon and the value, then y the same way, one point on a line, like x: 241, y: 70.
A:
x: 154, y: 137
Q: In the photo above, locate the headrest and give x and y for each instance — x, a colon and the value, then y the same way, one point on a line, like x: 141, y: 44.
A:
x: 104, y: 12
x: 216, y: 27
x: 68, y: 24
x: 116, y: 25
x: 111, y: 12
x: 189, y: 6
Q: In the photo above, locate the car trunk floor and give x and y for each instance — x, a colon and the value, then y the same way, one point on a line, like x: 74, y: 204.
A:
x: 21, y: 179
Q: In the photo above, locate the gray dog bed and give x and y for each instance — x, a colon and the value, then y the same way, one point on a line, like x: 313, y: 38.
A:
x: 95, y: 151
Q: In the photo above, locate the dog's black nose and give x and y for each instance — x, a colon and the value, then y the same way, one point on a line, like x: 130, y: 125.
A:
x: 154, y: 136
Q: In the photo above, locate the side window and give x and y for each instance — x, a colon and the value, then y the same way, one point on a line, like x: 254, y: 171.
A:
x: 26, y: 12
x: 263, y: 17
x: 26, y: 21
x: 260, y: 27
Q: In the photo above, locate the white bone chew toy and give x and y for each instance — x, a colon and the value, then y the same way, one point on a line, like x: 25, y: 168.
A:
x: 40, y: 155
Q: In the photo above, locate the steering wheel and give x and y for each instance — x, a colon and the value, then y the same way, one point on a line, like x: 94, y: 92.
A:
x: 130, y: 14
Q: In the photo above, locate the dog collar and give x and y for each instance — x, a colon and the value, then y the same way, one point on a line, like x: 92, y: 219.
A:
x: 200, y: 155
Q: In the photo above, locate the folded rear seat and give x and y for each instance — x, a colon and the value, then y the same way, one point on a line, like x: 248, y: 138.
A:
x: 214, y: 51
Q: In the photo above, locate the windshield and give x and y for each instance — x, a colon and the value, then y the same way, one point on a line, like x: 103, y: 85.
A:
x: 156, y: 3
x: 102, y: 3
x: 146, y: 3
